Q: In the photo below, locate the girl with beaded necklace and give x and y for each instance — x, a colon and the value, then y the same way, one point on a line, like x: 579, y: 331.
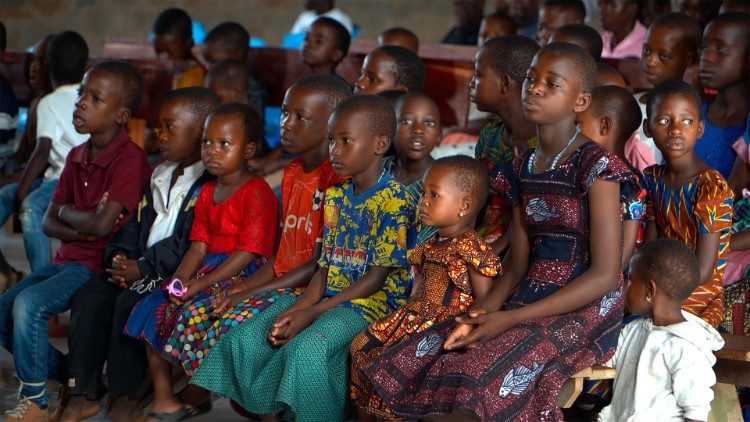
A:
x: 558, y: 306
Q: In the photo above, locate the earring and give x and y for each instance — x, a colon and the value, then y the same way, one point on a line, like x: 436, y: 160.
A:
x: 648, y: 299
x: 460, y: 214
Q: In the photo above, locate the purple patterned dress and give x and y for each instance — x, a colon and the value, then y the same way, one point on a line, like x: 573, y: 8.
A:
x: 518, y: 375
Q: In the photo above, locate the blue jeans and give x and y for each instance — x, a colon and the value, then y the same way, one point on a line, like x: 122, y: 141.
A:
x: 31, y: 214
x: 24, y: 313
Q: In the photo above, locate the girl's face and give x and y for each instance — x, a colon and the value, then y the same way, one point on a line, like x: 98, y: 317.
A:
x: 225, y: 149
x: 418, y: 128
x: 551, y: 89
x: 675, y: 125
x: 442, y: 200
x: 663, y: 59
x: 377, y: 75
x: 485, y: 84
x: 724, y: 61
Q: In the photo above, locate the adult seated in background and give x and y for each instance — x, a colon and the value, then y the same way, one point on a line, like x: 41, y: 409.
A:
x: 623, y: 35
x: 400, y: 37
x: 469, y: 14
x: 173, y: 40
x: 557, y: 13
x: 526, y: 15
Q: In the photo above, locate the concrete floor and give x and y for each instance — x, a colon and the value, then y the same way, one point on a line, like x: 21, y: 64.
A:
x: 12, y: 247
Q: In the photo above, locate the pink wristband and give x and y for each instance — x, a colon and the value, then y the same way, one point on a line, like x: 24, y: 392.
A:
x: 177, y: 288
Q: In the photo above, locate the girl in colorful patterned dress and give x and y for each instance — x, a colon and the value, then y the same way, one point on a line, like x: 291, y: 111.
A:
x: 687, y: 200
x: 456, y: 268
x: 233, y: 233
x: 557, y: 308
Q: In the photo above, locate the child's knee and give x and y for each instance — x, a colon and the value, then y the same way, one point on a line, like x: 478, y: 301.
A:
x: 28, y: 307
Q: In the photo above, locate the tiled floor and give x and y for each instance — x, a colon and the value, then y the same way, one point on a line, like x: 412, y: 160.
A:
x: 12, y: 248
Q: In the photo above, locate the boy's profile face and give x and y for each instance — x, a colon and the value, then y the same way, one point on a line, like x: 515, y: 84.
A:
x: 724, y: 59
x: 172, y: 47
x: 304, y: 120
x: 617, y: 14
x: 485, y: 84
x: 39, y: 71
x: 99, y: 106
x: 418, y: 128
x: 550, y: 19
x: 377, y: 75
x: 320, y: 46
x: 352, y: 146
x: 635, y: 299
x: 179, y: 132
x: 552, y: 89
x: 675, y: 125
x: 663, y: 57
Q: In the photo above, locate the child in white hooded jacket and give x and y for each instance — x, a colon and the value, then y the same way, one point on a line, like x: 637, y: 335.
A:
x: 664, y: 359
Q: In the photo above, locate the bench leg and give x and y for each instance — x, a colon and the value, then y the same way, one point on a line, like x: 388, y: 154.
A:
x: 725, y: 406
x: 569, y: 392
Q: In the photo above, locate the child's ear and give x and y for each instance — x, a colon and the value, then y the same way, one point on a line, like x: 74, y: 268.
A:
x: 381, y: 144
x: 582, y: 103
x: 651, y: 289
x: 647, y: 128
x: 251, y: 150
x: 605, y: 125
x: 467, y: 203
x: 338, y: 56
x: 692, y: 58
x: 504, y: 83
x: 701, y: 128
x: 123, y: 115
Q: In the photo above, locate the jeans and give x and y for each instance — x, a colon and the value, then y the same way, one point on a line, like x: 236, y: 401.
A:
x: 31, y: 214
x: 24, y: 313
x: 99, y: 312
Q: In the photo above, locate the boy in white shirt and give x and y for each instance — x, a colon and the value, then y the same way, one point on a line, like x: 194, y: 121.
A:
x: 663, y: 359
x: 67, y: 55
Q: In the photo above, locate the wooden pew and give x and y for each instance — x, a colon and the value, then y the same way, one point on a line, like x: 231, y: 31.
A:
x: 449, y: 70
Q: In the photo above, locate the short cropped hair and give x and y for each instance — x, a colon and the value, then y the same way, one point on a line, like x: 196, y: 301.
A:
x: 407, y: 66
x: 230, y: 36
x: 668, y: 88
x: 584, y: 36
x: 198, y: 101
x: 252, y: 123
x: 470, y: 177
x: 380, y: 116
x: 67, y: 54
x: 510, y: 55
x: 228, y: 72
x: 506, y: 20
x: 402, y: 32
x: 412, y: 95
x: 605, y: 70
x: 585, y: 66
x: 620, y: 105
x: 174, y: 21
x: 575, y: 6
x: 129, y: 78
x: 343, y: 38
x: 687, y: 26
x: 738, y: 19
x: 334, y: 88
x: 671, y: 265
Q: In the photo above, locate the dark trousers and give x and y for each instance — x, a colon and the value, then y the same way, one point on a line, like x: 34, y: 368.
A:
x: 99, y: 312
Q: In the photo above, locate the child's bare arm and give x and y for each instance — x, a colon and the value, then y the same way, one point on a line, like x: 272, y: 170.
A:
x: 739, y: 178
x: 97, y: 223
x: 53, y: 227
x: 35, y: 167
x: 740, y: 241
x: 366, y: 286
x: 707, y: 251
x: 651, y: 232
x: 236, y: 262
x: 629, y: 236
x: 600, y: 278
x: 192, y: 260
x: 480, y: 285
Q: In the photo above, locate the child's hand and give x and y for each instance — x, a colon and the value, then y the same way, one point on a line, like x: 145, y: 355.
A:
x: 223, y: 304
x: 458, y: 336
x: 123, y: 271
x: 287, y: 326
x: 488, y: 327
x: 192, y: 290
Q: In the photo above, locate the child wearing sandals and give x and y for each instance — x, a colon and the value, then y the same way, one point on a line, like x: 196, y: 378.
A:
x: 456, y: 268
x: 233, y: 233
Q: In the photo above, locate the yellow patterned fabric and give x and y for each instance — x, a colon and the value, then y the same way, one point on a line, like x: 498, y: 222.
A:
x: 374, y: 228
x: 700, y: 207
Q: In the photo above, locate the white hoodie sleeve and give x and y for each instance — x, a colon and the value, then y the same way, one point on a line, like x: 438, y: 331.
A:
x: 692, y: 378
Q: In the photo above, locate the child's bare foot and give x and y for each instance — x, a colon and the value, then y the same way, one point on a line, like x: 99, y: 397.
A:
x: 78, y: 409
x: 125, y: 410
